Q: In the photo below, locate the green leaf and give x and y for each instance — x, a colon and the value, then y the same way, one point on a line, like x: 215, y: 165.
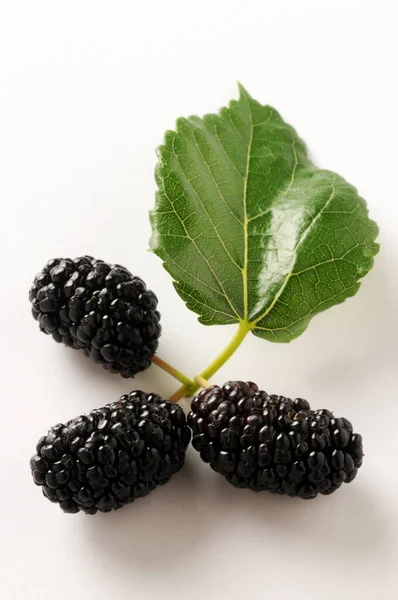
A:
x: 250, y: 230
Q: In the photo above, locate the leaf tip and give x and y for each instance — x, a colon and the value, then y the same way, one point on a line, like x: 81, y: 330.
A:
x: 242, y: 91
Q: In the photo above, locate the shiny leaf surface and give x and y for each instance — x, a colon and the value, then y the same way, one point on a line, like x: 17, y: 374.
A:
x: 250, y: 229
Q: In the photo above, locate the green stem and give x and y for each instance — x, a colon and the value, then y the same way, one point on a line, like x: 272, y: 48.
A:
x: 162, y: 364
x: 191, y: 388
x: 243, y: 330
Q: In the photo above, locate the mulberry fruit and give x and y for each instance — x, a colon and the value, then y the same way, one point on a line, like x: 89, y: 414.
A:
x: 100, y: 308
x: 273, y: 443
x: 115, y: 454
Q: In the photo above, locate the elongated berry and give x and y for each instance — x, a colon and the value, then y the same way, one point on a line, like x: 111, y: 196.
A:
x: 273, y: 443
x: 113, y: 455
x: 99, y: 308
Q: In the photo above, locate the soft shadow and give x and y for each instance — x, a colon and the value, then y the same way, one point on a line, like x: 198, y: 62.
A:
x: 364, y: 341
x: 346, y: 351
x: 160, y: 529
x: 180, y: 520
x: 110, y: 386
x: 352, y: 522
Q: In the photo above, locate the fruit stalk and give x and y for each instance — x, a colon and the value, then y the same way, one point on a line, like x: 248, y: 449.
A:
x: 202, y: 382
x: 188, y: 390
x: 165, y: 366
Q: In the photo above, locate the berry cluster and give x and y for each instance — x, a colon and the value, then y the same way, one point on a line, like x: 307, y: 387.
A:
x: 112, y: 456
x: 273, y: 443
x: 121, y: 452
x: 100, y: 308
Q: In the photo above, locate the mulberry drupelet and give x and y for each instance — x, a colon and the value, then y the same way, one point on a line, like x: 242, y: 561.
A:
x: 115, y: 454
x: 100, y: 308
x: 273, y: 443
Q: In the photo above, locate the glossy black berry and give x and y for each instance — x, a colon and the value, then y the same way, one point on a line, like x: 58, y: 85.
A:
x: 273, y: 443
x: 99, y: 308
x: 110, y: 457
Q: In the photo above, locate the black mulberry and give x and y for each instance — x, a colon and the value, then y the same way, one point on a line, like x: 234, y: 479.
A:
x: 115, y: 454
x: 273, y: 443
x: 100, y: 308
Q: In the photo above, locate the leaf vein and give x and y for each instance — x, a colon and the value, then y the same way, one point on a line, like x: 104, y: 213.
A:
x: 301, y: 240
x: 216, y: 231
x: 202, y: 255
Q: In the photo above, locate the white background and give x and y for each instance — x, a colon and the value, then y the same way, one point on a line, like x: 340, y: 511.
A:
x: 87, y: 90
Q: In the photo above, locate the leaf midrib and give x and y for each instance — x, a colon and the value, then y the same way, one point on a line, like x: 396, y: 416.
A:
x: 246, y: 222
x: 244, y: 270
x: 245, y: 227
